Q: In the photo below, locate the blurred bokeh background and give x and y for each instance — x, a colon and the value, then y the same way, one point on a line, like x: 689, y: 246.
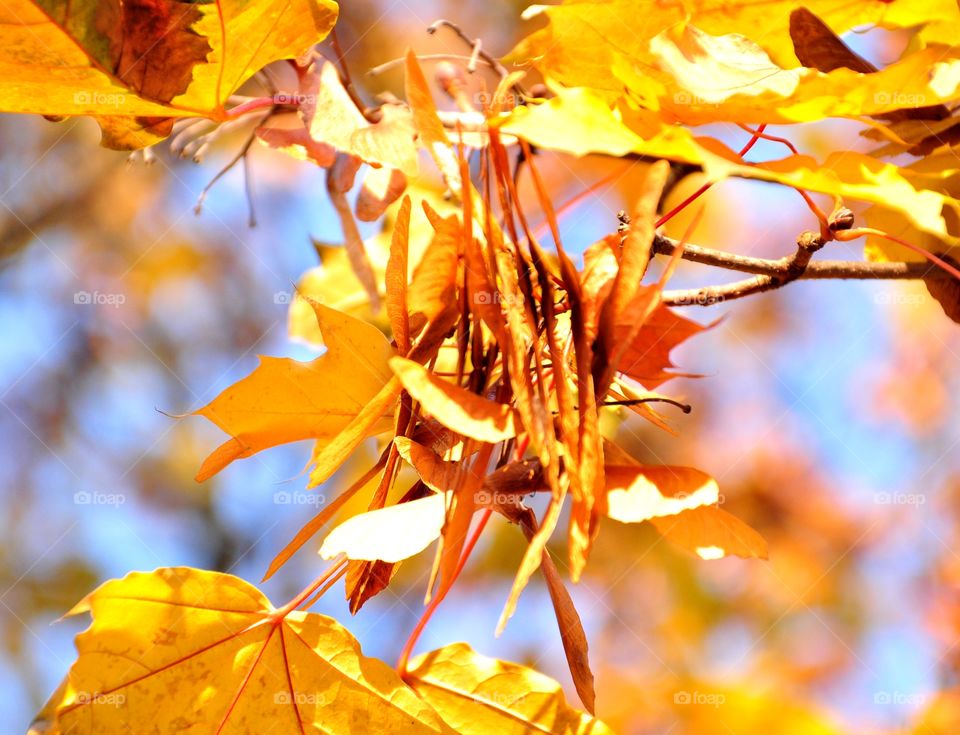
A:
x: 827, y: 412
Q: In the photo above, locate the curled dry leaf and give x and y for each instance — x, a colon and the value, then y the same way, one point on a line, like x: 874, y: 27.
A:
x: 433, y: 286
x: 454, y: 407
x: 381, y: 187
x: 438, y: 475
x: 389, y: 142
x: 427, y: 124
x: 366, y: 579
x: 820, y: 48
x: 946, y: 290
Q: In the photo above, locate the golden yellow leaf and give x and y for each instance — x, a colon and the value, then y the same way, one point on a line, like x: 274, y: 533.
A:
x: 389, y: 534
x: 705, y: 78
x: 939, y: 172
x: 136, y: 70
x: 45, y: 722
x: 285, y: 400
x: 712, y: 533
x: 477, y: 695
x: 455, y: 407
x: 578, y: 45
x: 638, y: 493
x: 334, y: 284
x: 845, y: 174
x: 580, y: 121
x: 183, y: 650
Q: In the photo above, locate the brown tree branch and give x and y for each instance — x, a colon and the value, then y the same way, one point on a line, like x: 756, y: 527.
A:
x: 786, y: 269
x: 852, y: 269
x: 773, y: 274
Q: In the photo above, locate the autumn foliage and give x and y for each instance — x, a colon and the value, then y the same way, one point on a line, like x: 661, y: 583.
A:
x: 468, y: 341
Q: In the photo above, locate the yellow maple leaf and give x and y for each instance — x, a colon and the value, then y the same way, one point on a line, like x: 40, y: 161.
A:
x: 286, y: 400
x: 477, y: 695
x: 193, y: 651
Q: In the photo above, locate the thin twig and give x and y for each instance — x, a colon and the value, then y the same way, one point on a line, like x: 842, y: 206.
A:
x: 474, y: 45
x: 347, y: 81
x: 818, y: 269
x: 388, y: 65
x: 248, y: 189
x: 241, y: 155
x: 789, y: 269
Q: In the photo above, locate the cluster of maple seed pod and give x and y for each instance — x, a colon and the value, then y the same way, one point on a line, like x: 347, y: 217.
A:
x: 502, y: 359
